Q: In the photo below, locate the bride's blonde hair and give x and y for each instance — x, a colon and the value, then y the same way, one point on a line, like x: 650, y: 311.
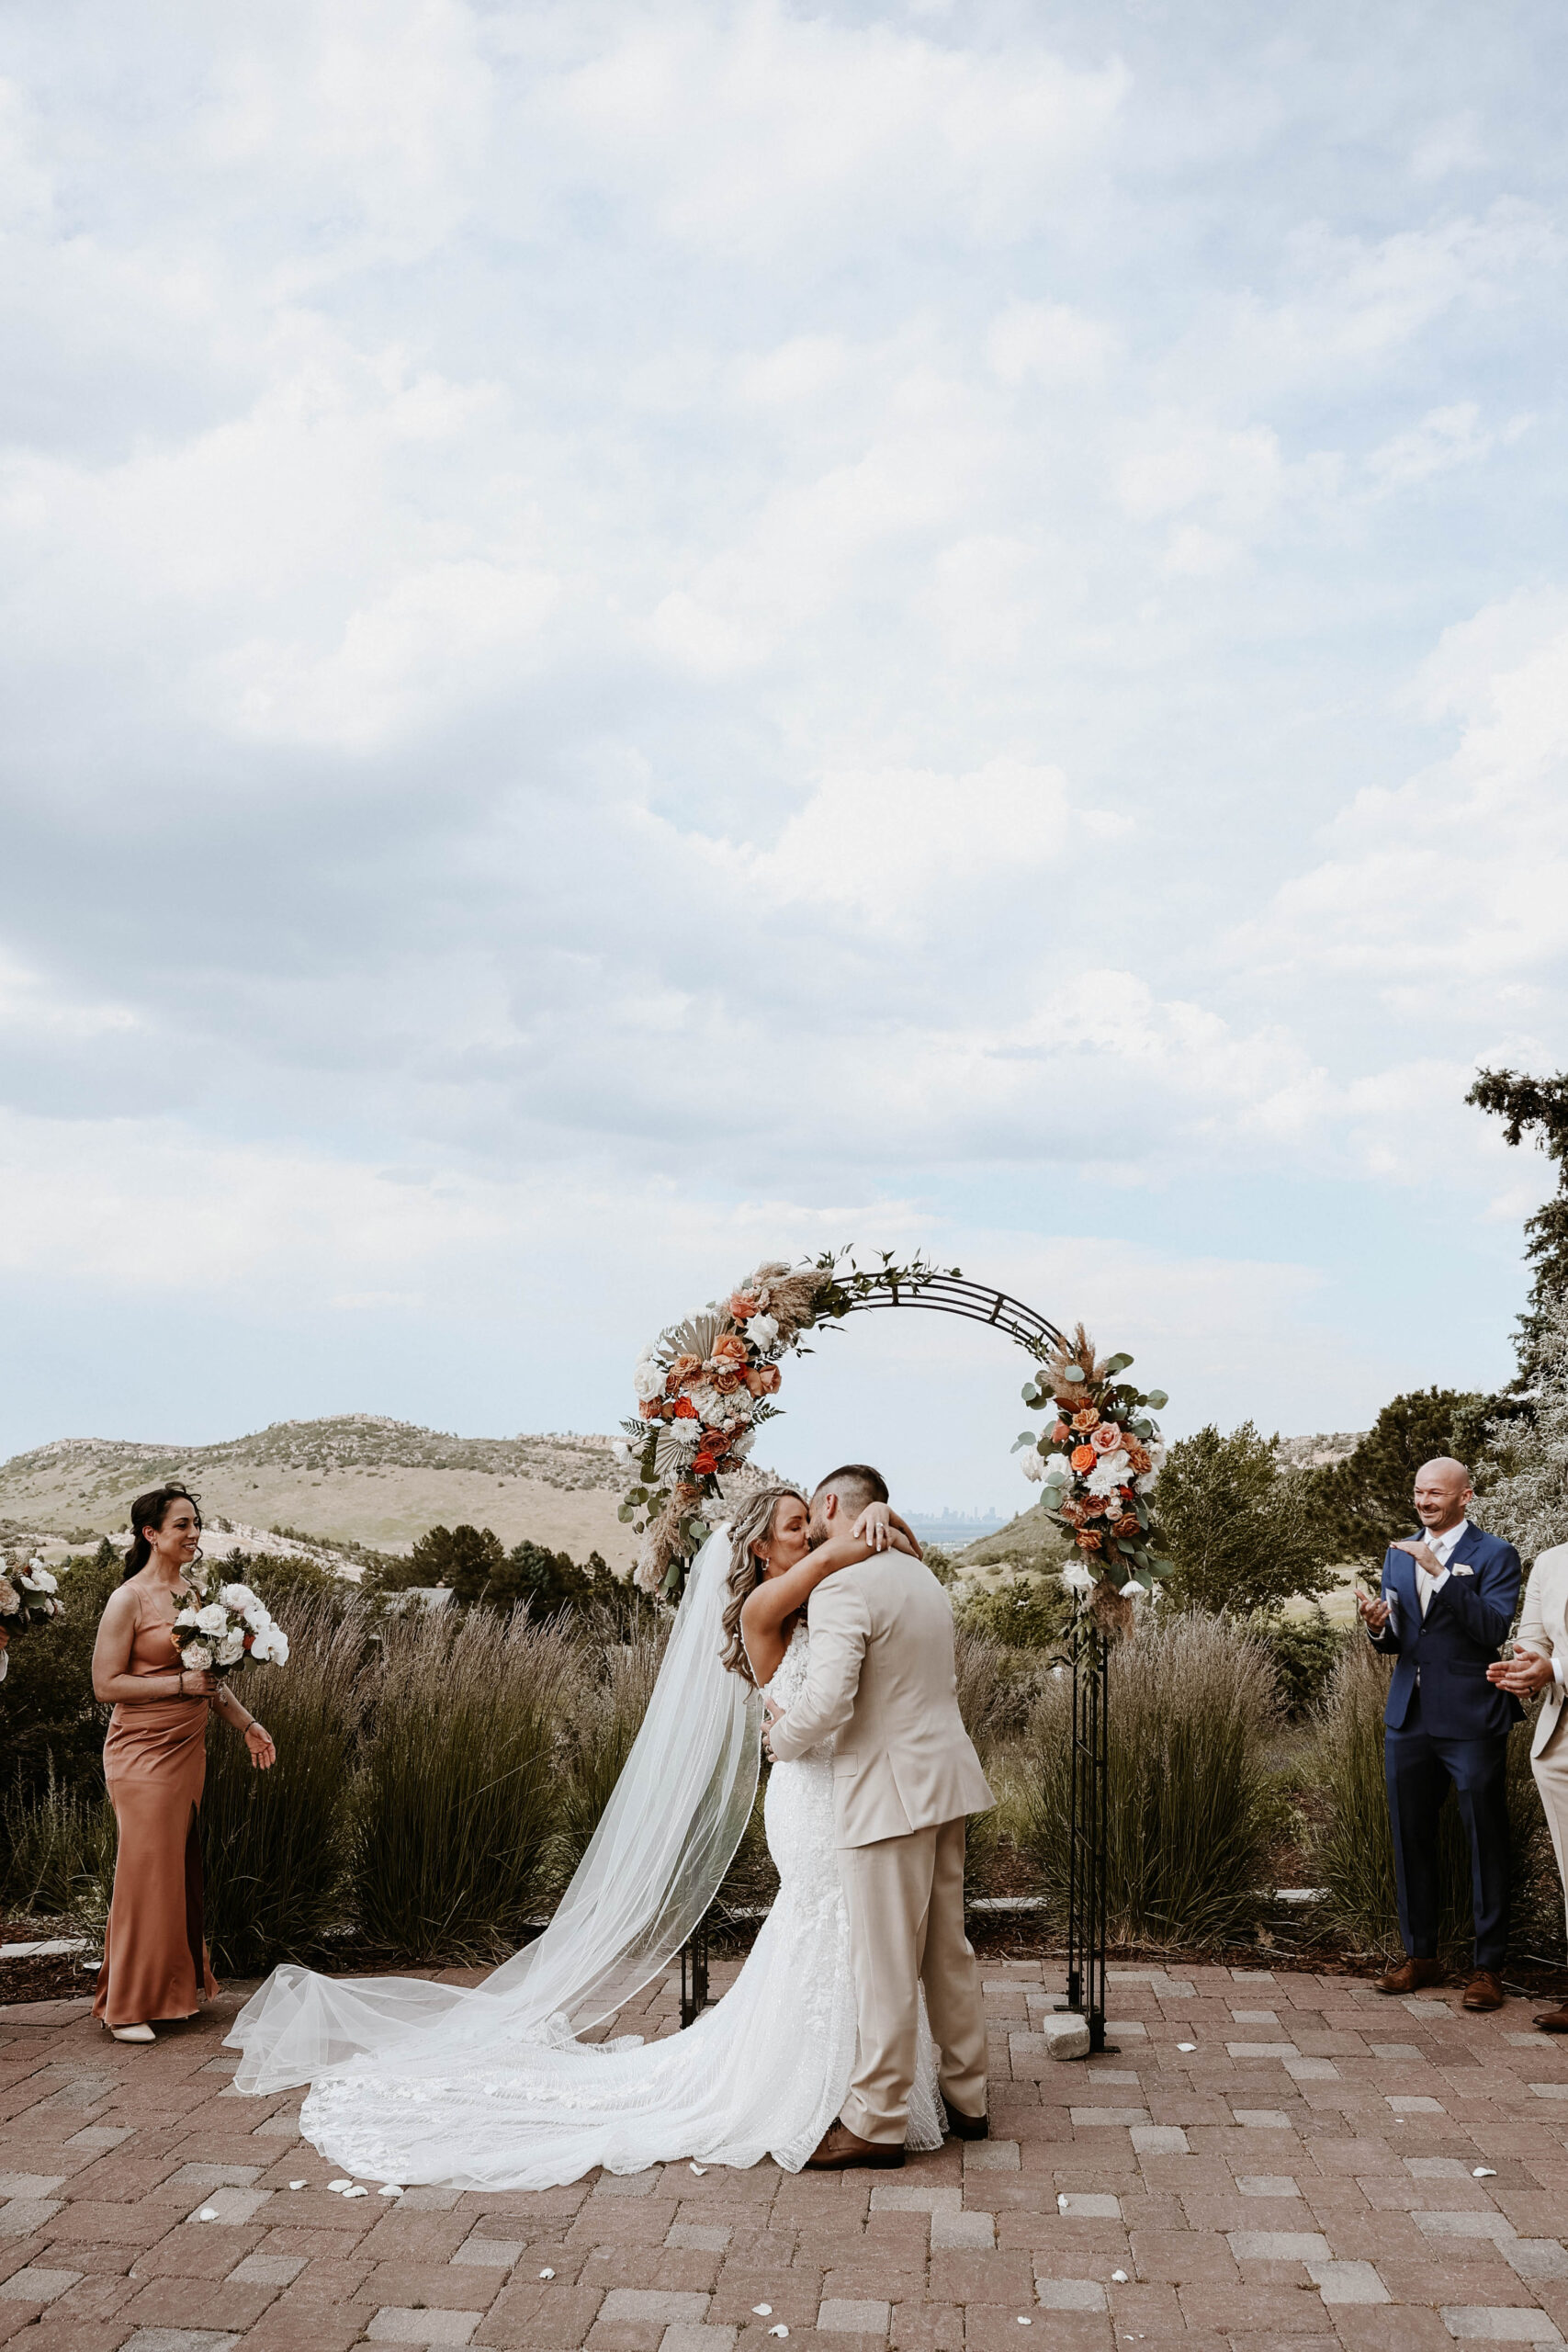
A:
x: 751, y: 1525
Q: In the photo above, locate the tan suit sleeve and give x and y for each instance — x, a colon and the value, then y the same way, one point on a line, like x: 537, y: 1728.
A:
x: 1532, y: 1630
x: 841, y: 1628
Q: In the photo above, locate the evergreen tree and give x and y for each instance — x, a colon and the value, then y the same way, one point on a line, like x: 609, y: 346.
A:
x: 1530, y: 1503
x: 1365, y: 1501
x: 1240, y: 1528
x: 1537, y: 1106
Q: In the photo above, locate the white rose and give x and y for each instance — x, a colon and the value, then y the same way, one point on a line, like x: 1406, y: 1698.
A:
x: 1033, y: 1468
x: 198, y: 1657
x: 213, y: 1619
x: 1057, y: 1466
x: 186, y: 1617
x: 238, y: 1596
x: 1077, y: 1580
x: 1109, y: 1473
x: 230, y: 1649
x: 40, y: 1581
x: 763, y: 1332
x: 648, y: 1380
x: 1146, y: 1486
x: 1157, y: 1458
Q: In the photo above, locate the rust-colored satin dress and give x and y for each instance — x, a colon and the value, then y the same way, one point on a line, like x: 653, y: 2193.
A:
x: 155, y: 1961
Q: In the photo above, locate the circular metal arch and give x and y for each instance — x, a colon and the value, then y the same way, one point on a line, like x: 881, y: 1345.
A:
x: 952, y: 1294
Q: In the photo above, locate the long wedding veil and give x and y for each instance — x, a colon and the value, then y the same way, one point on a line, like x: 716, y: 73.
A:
x: 654, y: 1864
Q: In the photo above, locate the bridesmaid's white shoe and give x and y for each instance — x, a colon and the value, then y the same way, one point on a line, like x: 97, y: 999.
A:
x: 133, y: 2033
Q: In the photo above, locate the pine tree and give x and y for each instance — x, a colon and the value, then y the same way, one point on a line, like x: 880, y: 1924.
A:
x: 1529, y: 1505
x: 1537, y: 1106
x: 1365, y: 1501
x: 1240, y: 1528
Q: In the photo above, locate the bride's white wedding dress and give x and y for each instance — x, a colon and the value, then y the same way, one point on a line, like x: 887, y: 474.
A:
x: 763, y: 2072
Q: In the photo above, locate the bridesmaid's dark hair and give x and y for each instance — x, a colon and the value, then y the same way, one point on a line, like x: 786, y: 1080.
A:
x: 150, y: 1511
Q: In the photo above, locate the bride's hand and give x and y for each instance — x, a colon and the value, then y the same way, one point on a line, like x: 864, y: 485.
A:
x: 875, y: 1527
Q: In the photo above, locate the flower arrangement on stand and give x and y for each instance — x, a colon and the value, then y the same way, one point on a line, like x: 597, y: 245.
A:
x: 233, y: 1629
x: 29, y: 1597
x: 1098, y: 1462
x: 705, y: 1387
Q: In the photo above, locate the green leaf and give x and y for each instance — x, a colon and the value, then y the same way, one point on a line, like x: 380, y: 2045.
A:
x: 1141, y: 1429
x: 1072, y: 1373
x: 624, y: 1513
x: 1118, y: 1363
x: 1157, y: 1398
x: 1123, y: 1545
x: 1033, y: 1392
x: 1162, y: 1567
x: 1024, y: 1437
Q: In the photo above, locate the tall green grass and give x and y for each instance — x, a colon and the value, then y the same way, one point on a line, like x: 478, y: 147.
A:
x: 456, y: 1811
x: 1353, y: 1850
x: 59, y: 1849
x: 1192, y: 1802
x: 275, y: 1844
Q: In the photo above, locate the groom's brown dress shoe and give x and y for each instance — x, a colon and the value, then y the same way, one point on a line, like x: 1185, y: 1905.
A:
x: 1410, y: 1976
x: 966, y: 2127
x: 839, y: 2148
x: 1554, y: 2020
x: 1484, y: 1991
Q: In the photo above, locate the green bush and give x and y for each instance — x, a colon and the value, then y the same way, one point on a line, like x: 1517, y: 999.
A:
x: 457, y: 1806
x: 1026, y: 1611
x: 1304, y: 1651
x: 274, y: 1843
x: 60, y: 1849
x: 50, y: 1722
x: 478, y: 1569
x: 1353, y: 1850
x: 1244, y: 1533
x: 1192, y: 1805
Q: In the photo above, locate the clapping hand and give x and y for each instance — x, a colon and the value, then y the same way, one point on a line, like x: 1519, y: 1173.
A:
x: 1422, y: 1554
x: 1524, y: 1674
x: 1374, y: 1613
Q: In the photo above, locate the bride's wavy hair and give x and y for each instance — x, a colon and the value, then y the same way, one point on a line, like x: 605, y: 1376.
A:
x: 751, y: 1525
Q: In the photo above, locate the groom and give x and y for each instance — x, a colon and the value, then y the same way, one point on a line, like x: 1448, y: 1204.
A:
x: 905, y: 1775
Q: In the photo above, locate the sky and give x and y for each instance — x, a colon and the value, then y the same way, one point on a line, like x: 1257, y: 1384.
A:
x: 638, y: 638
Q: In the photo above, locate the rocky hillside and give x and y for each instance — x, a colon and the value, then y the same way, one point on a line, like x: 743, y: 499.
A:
x: 359, y: 1477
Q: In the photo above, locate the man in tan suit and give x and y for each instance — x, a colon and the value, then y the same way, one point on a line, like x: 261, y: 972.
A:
x: 905, y: 1775
x: 1540, y: 1663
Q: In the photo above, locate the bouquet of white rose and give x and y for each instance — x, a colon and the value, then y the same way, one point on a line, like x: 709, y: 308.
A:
x: 234, y: 1630
x: 27, y: 1598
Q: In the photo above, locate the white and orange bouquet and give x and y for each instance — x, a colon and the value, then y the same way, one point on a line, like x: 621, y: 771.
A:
x: 1098, y: 1462
x: 29, y: 1595
x: 233, y: 1629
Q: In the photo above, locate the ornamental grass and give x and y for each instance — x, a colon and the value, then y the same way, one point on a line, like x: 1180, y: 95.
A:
x: 1192, y: 1802
x: 456, y: 1808
x: 275, y: 1844
x: 60, y: 1849
x: 1353, y: 1850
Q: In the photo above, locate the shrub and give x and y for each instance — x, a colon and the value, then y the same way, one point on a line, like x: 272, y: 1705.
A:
x: 274, y: 1843
x: 1363, y: 1503
x: 52, y: 1725
x: 1026, y: 1611
x: 457, y: 1809
x: 1304, y: 1652
x: 59, y: 1849
x: 610, y: 1700
x: 1191, y: 1802
x: 290, y: 1586
x: 1353, y: 1852
x: 1241, y: 1530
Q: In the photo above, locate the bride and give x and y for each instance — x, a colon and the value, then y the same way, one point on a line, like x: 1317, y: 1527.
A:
x: 493, y: 2087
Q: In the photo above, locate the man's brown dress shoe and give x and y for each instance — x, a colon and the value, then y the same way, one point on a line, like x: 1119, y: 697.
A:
x: 1554, y: 2020
x: 1484, y: 1991
x: 839, y: 2148
x: 966, y: 2127
x: 1410, y: 1975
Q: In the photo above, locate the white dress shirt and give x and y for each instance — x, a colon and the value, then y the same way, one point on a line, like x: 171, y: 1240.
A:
x: 1443, y: 1546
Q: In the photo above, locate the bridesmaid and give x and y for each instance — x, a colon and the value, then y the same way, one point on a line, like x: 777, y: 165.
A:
x: 155, y: 1961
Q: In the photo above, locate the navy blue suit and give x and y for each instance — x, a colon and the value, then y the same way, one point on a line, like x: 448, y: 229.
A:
x: 1444, y: 1722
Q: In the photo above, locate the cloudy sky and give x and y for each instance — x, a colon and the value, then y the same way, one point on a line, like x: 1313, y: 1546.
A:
x: 635, y: 637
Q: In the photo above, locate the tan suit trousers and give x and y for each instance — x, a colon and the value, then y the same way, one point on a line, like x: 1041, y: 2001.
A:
x: 906, y: 1905
x: 1550, y: 1769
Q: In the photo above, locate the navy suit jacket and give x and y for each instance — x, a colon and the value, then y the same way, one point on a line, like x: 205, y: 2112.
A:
x: 1451, y: 1648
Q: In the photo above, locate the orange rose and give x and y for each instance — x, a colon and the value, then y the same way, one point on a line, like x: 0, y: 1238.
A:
x: 684, y: 1368
x: 650, y: 1408
x: 1095, y: 1506
x: 1106, y: 1438
x: 729, y: 1349
x: 1138, y: 1455
x: 1127, y: 1524
x: 1087, y: 1420
x: 771, y: 1376
x: 685, y: 1409
x: 1083, y: 1458
x: 727, y: 1382
x: 1060, y: 1434
x: 742, y: 1306
x: 1088, y: 1540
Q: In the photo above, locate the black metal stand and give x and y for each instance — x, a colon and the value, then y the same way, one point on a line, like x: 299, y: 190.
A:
x: 1086, y: 1855
x: 694, y: 1974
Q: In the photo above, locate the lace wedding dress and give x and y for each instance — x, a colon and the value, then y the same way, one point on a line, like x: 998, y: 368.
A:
x: 763, y: 2072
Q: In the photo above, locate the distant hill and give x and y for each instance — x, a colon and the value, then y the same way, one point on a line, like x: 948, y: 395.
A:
x: 356, y: 1477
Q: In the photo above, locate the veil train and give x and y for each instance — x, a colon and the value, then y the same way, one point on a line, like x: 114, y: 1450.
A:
x: 655, y: 1862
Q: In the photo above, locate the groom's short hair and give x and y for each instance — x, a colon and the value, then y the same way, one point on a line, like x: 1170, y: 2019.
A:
x: 857, y: 1483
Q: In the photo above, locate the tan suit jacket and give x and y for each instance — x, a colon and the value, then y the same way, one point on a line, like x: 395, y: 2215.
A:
x: 1543, y: 1627
x: 881, y: 1676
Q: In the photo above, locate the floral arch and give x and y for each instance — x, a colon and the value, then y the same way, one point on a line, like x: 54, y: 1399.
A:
x: 708, y: 1384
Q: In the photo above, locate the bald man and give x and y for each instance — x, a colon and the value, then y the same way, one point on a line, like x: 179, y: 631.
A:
x: 1444, y: 1612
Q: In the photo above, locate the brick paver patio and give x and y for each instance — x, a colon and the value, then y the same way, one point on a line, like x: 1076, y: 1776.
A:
x: 1269, y: 2161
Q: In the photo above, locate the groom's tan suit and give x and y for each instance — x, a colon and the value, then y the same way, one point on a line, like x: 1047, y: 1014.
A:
x: 905, y: 1775
x: 1543, y: 1627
